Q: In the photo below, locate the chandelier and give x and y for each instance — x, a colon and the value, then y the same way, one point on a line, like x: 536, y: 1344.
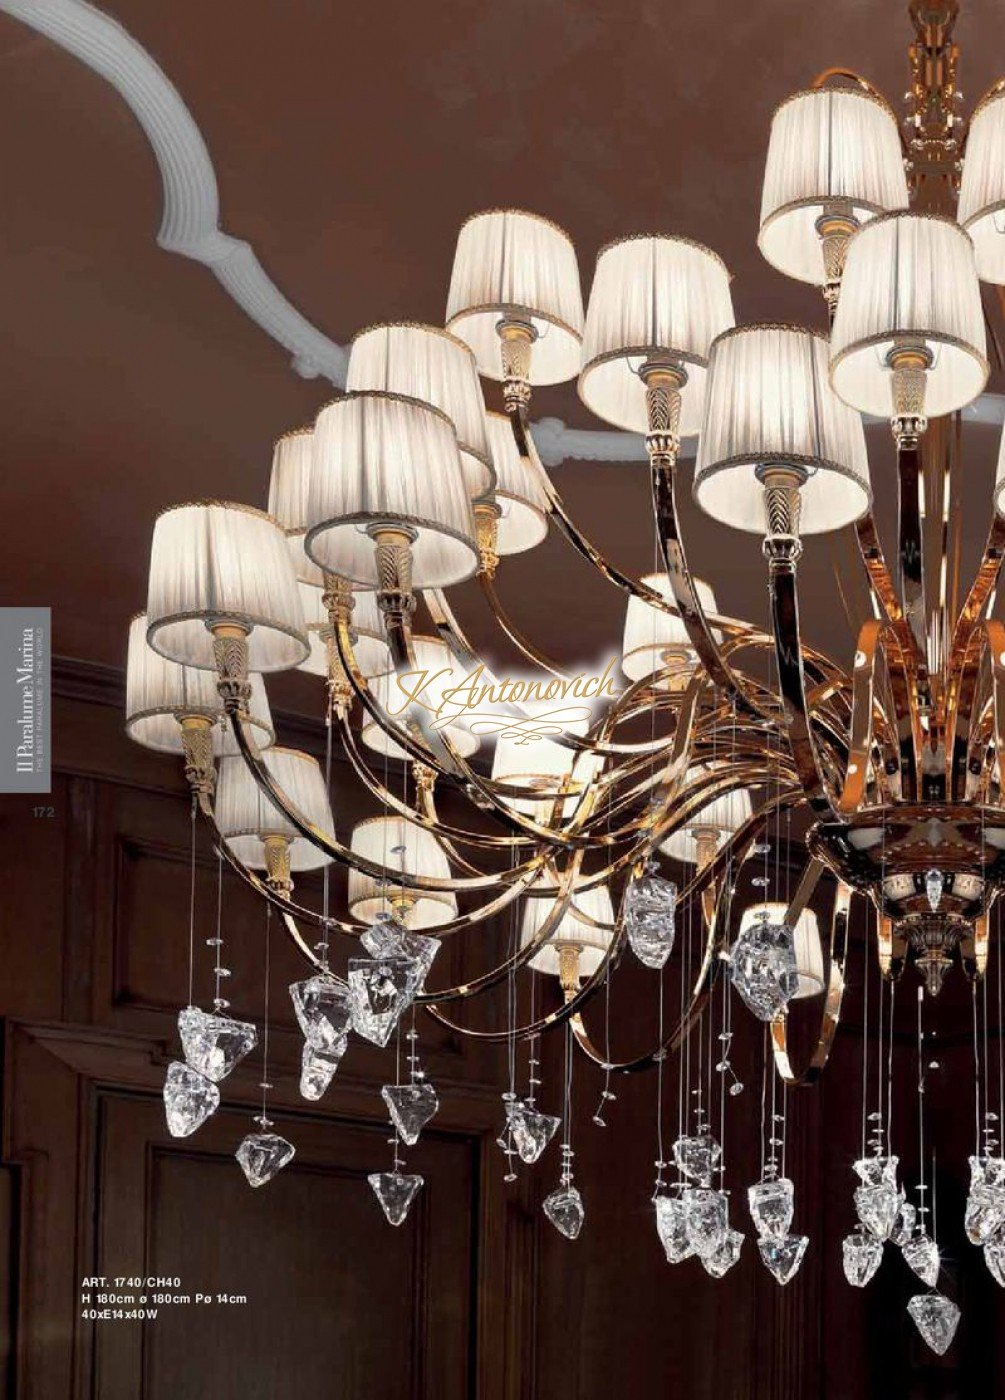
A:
x: 609, y: 812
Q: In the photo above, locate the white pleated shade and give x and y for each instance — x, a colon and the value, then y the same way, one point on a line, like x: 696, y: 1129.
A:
x: 909, y: 276
x: 999, y: 487
x: 769, y: 404
x: 655, y: 640
x: 429, y: 364
x: 392, y: 694
x: 652, y: 298
x: 372, y: 653
x: 245, y: 815
x: 520, y: 493
x: 809, y: 950
x: 593, y: 943
x: 547, y: 767
x: 290, y: 479
x: 512, y: 264
x: 400, y: 846
x: 828, y: 147
x: 214, y: 562
x: 384, y: 459
x: 981, y: 209
x: 723, y: 815
x: 159, y: 692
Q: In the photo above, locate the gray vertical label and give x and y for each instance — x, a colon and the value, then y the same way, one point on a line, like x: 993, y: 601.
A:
x: 25, y: 704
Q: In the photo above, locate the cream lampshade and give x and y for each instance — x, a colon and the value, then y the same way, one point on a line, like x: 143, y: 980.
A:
x: 289, y: 483
x: 547, y: 767
x: 429, y: 364
x: 435, y: 658
x: 808, y: 948
x: 831, y: 150
x: 373, y: 656
x: 211, y: 563
x: 401, y: 847
x: 656, y: 641
x: 769, y: 405
x: 384, y: 460
x: 573, y: 930
x: 981, y: 209
x: 909, y: 281
x: 246, y: 816
x: 510, y: 264
x: 715, y: 823
x: 653, y: 298
x: 520, y: 493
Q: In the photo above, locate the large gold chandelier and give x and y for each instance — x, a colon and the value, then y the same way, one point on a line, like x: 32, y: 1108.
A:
x: 405, y: 487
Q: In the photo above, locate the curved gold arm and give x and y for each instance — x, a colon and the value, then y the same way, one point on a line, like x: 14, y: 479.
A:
x: 863, y: 712
x: 962, y: 667
x: 833, y: 997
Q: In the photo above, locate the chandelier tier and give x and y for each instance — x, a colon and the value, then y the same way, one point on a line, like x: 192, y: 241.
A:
x: 405, y: 487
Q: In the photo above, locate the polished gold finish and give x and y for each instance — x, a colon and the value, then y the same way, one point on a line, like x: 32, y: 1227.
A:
x: 197, y: 743
x: 230, y: 651
x: 277, y: 864
x: 486, y: 515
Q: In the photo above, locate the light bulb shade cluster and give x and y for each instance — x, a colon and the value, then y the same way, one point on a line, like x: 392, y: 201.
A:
x: 587, y: 923
x: 247, y: 817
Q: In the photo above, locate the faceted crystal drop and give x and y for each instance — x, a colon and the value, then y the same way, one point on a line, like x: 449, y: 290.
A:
x: 411, y: 1106
x: 532, y: 1131
x: 922, y: 1256
x: 317, y: 1069
x: 934, y: 882
x: 648, y: 916
x: 387, y: 938
x: 322, y: 1009
x: 380, y: 989
x: 771, y: 1207
x: 985, y: 1212
x: 903, y: 1226
x: 672, y: 1228
x: 878, y: 1207
x: 877, y: 1171
x: 994, y: 1257
x: 189, y: 1099
x: 395, y: 1191
x: 697, y: 1157
x: 705, y: 1218
x: 728, y: 1253
x: 861, y: 1254
x: 936, y: 1318
x: 261, y: 1155
x: 783, y: 1257
x: 987, y: 1171
x: 214, y: 1044
x: 762, y: 967
x: 564, y: 1208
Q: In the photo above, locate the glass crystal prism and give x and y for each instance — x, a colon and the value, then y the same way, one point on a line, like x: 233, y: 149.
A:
x: 213, y: 1045
x: 934, y: 883
x: 387, y: 938
x: 697, y: 1156
x: 564, y: 1208
x: 985, y: 1212
x: 411, y: 1106
x: 262, y: 1155
x: 877, y: 1208
x: 322, y: 1009
x: 876, y: 1171
x: 987, y: 1171
x: 380, y: 989
x: 728, y: 1253
x: 672, y: 1228
x: 771, y: 1205
x: 903, y: 1226
x: 706, y: 1218
x: 994, y: 1257
x: 861, y: 1254
x: 649, y: 920
x: 317, y: 1069
x: 532, y: 1131
x: 189, y: 1099
x: 762, y: 967
x: 783, y: 1257
x: 936, y: 1318
x: 922, y: 1257
x: 395, y: 1191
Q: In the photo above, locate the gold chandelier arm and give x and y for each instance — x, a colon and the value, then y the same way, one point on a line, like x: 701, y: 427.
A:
x: 963, y: 669
x: 911, y: 559
x: 523, y: 644
x: 831, y: 1015
x: 861, y: 743
x: 827, y: 75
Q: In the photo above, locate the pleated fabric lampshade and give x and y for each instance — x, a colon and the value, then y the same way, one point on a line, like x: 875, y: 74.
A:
x: 808, y: 948
x: 652, y: 298
x: 246, y: 816
x: 770, y: 404
x: 546, y: 767
x: 509, y: 263
x: 574, y: 927
x: 722, y: 817
x: 289, y: 483
x: 520, y: 493
x: 373, y: 656
x: 400, y: 846
x: 981, y: 208
x: 656, y: 641
x: 435, y: 658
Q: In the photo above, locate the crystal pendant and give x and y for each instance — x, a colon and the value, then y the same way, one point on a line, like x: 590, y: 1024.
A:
x: 411, y: 1106
x: 705, y: 1218
x: 648, y: 917
x: 922, y: 1257
x: 987, y: 1171
x: 564, y: 1208
x: 878, y: 1207
x: 189, y: 1099
x: 322, y: 1010
x: 532, y: 1131
x: 387, y: 938
x: 728, y: 1253
x: 762, y: 967
x: 672, y: 1228
x: 994, y: 1257
x: 214, y: 1044
x: 903, y: 1226
x: 934, y: 883
x: 936, y: 1318
x: 877, y: 1171
x: 783, y: 1257
x: 261, y: 1155
x: 771, y: 1207
x: 380, y: 989
x: 861, y: 1254
x: 317, y: 1069
x: 395, y: 1191
x: 697, y: 1157
x: 985, y: 1212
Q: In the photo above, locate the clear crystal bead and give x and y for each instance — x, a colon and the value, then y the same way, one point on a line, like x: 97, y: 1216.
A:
x: 994, y: 1257
x: 877, y: 1208
x: 903, y: 1226
x: 877, y: 1171
x: 861, y: 1254
x: 648, y: 917
x: 189, y: 1099
x: 672, y: 1228
x: 771, y: 1206
x: 395, y: 1191
x: 213, y: 1045
x: 762, y: 967
x: 564, y: 1208
x: 922, y: 1257
x: 987, y: 1171
x: 380, y: 989
x: 934, y: 883
x: 782, y: 1258
x: 722, y: 1259
x: 388, y: 938
x: 532, y: 1131
x: 322, y: 1009
x: 317, y: 1069
x: 261, y: 1155
x: 697, y: 1156
x: 411, y: 1106
x: 936, y: 1318
x: 706, y: 1218
x: 985, y: 1212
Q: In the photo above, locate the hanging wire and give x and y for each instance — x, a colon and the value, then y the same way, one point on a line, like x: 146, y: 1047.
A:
x: 922, y: 1207
x: 263, y: 1119
x: 889, y: 1075
x: 191, y: 908
x: 567, y: 1152
x: 660, y: 1156
x: 977, y: 1074
x: 865, y: 1041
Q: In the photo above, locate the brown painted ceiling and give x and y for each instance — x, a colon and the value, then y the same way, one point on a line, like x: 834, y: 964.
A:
x: 349, y: 143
